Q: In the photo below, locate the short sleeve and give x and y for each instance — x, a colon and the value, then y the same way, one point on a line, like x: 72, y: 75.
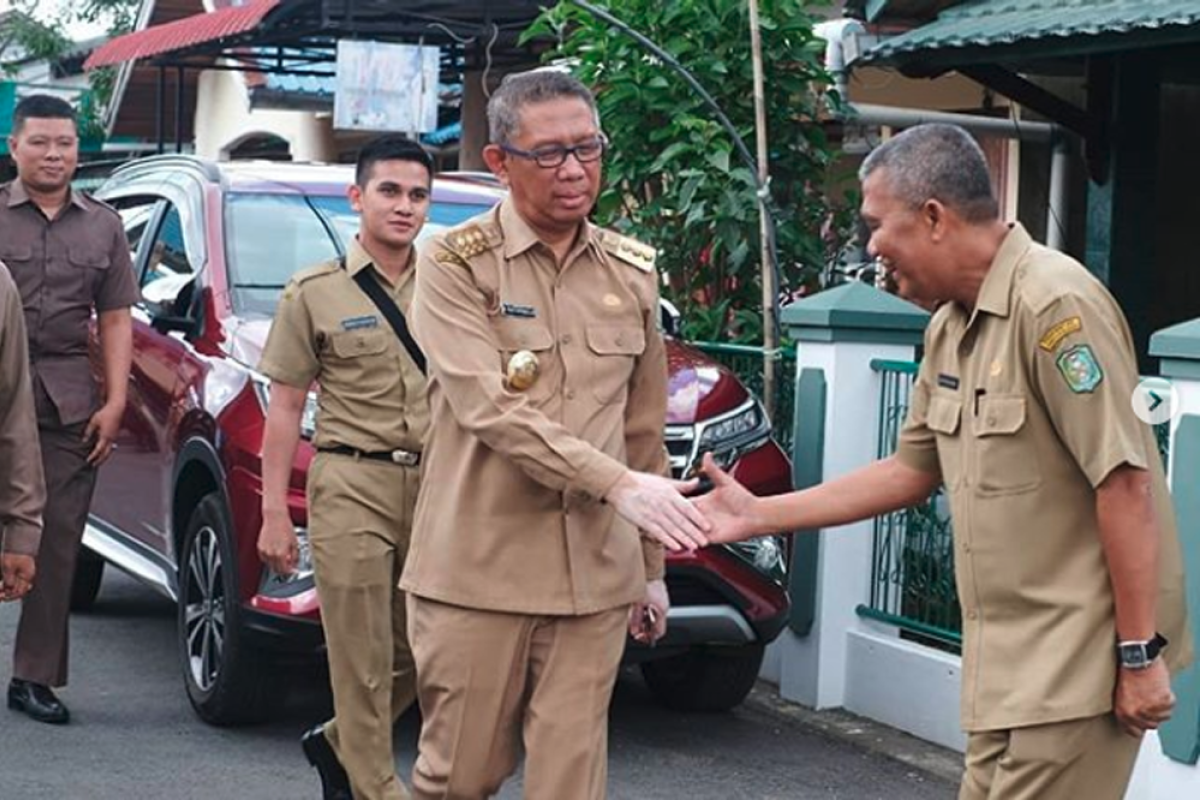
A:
x: 917, y: 445
x: 1085, y: 370
x: 118, y: 289
x: 290, y: 355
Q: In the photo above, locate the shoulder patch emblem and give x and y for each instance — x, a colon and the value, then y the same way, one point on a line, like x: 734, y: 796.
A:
x: 1080, y: 369
x: 449, y: 257
x: 469, y: 241
x: 631, y: 251
x: 1052, y: 338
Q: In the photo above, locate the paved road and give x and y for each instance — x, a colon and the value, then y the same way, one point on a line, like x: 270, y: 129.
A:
x: 134, y: 735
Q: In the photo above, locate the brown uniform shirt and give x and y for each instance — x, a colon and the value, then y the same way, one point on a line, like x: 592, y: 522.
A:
x: 65, y: 268
x: 372, y: 396
x: 510, y: 517
x: 1024, y: 408
x: 22, y: 488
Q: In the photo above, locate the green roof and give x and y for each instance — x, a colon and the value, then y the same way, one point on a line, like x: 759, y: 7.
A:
x: 981, y: 29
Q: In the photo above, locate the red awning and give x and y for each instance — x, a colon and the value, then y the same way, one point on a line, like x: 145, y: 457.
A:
x: 181, y: 34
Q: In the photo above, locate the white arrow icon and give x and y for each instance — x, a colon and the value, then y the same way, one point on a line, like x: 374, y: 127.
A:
x: 1154, y: 400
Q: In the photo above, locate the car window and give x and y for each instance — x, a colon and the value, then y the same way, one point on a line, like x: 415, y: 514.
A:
x: 270, y: 237
x: 168, y: 269
x: 136, y: 214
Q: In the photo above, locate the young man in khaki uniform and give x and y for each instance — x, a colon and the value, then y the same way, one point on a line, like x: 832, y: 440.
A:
x: 22, y: 487
x: 69, y: 257
x: 547, y: 389
x: 1065, y: 540
x: 362, y: 485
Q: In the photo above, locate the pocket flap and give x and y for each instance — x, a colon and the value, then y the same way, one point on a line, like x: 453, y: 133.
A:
x: 944, y: 414
x: 1000, y: 415
x: 14, y: 252
x: 523, y: 334
x: 616, y: 340
x: 81, y: 257
x: 349, y: 344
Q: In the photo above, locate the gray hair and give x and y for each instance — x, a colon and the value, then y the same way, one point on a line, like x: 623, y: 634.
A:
x: 524, y: 88
x: 936, y: 162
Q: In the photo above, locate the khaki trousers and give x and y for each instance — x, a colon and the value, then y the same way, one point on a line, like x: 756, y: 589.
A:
x: 489, y: 681
x: 42, y: 646
x: 1081, y: 759
x: 360, y: 518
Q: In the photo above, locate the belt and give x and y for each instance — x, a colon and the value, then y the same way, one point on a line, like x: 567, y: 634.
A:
x: 405, y: 458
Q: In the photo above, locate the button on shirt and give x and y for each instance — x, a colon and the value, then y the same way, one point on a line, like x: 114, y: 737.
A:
x: 22, y: 487
x: 510, y: 516
x: 65, y: 268
x: 372, y: 396
x: 1023, y: 406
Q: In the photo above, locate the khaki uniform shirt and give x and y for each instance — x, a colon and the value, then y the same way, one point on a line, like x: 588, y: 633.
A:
x: 511, y: 518
x: 22, y: 488
x: 1024, y: 408
x: 65, y: 268
x: 372, y: 396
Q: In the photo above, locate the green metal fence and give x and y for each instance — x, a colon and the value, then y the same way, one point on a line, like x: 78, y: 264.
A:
x: 746, y: 361
x: 912, y: 565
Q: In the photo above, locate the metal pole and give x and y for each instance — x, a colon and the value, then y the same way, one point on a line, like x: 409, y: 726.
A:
x: 179, y: 110
x: 160, y: 117
x: 769, y: 290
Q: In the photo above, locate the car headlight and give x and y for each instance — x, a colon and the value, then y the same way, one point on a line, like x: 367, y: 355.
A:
x: 731, y: 435
x: 308, y: 419
x: 764, y: 553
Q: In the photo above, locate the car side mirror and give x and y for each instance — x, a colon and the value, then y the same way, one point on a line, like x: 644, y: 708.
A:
x: 670, y: 319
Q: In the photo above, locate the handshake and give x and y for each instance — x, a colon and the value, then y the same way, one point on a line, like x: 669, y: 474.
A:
x: 711, y: 508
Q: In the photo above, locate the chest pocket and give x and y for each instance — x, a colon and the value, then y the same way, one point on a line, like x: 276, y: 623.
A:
x: 517, y: 334
x: 613, y: 352
x: 1006, y: 457
x: 943, y: 418
x: 16, y: 254
x: 87, y: 269
x: 358, y: 344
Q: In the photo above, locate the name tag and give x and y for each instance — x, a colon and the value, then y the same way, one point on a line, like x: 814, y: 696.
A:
x: 513, y: 310
x: 358, y: 323
x: 947, y: 381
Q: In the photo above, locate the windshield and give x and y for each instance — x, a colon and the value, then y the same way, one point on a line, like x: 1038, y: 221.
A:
x: 272, y: 236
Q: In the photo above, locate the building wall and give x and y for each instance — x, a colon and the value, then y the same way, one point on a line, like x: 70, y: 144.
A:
x: 224, y: 118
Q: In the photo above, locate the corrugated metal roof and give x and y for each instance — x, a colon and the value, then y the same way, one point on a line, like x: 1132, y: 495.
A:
x: 182, y: 33
x: 992, y: 23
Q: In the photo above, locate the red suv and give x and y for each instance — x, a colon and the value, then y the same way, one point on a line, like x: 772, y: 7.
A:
x: 178, y: 505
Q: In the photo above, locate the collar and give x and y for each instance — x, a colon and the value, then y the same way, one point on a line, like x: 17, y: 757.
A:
x: 520, y: 237
x: 17, y: 195
x: 996, y: 292
x: 358, y: 259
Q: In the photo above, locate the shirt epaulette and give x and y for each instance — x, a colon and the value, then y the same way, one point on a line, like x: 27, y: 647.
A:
x: 96, y: 202
x: 473, y: 239
x: 324, y: 268
x: 631, y: 251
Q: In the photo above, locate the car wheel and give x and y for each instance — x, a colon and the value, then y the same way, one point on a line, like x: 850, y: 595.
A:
x: 228, y: 683
x: 705, y: 679
x: 85, y: 586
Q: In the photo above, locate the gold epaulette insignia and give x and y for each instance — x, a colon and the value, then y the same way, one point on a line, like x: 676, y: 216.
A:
x: 449, y: 257
x: 470, y: 240
x: 631, y: 251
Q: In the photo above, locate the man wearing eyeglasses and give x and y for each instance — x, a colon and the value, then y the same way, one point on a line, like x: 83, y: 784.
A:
x: 539, y: 530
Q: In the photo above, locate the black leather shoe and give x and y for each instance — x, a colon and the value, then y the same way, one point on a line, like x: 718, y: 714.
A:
x: 335, y: 783
x: 37, y: 701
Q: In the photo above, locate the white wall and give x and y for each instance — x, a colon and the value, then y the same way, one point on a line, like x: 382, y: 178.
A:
x: 224, y: 118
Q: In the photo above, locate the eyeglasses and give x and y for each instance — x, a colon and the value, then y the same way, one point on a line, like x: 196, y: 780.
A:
x: 555, y: 155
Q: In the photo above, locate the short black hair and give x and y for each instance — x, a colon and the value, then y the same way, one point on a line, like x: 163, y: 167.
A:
x: 390, y: 147
x: 41, y: 106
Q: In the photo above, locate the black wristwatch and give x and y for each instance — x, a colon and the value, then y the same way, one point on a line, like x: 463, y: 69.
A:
x: 1140, y: 655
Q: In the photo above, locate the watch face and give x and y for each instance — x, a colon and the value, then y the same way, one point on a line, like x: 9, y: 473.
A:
x: 1133, y: 655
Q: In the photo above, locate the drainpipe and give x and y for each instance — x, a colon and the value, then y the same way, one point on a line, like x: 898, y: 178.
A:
x: 838, y: 34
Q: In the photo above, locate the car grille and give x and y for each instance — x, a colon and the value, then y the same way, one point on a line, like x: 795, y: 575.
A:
x: 681, y: 442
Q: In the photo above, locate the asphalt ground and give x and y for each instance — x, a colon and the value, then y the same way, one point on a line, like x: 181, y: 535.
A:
x: 134, y: 735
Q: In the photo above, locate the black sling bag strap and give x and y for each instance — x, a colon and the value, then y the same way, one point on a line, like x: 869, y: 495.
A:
x: 391, y: 313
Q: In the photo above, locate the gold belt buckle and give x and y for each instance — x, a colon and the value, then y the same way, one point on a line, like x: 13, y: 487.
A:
x: 406, y: 458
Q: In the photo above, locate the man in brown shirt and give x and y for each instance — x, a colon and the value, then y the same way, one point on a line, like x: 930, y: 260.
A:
x: 1067, y: 557
x: 547, y: 390
x: 362, y: 485
x: 69, y: 258
x: 22, y: 488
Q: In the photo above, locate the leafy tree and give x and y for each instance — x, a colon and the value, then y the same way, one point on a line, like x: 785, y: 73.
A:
x: 42, y: 32
x: 673, y: 177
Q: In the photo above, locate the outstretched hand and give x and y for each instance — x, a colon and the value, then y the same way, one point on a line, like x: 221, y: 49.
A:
x: 729, y: 507
x: 657, y: 506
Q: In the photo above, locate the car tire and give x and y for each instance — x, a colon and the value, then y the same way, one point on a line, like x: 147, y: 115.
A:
x: 85, y: 586
x: 228, y: 682
x: 705, y: 679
